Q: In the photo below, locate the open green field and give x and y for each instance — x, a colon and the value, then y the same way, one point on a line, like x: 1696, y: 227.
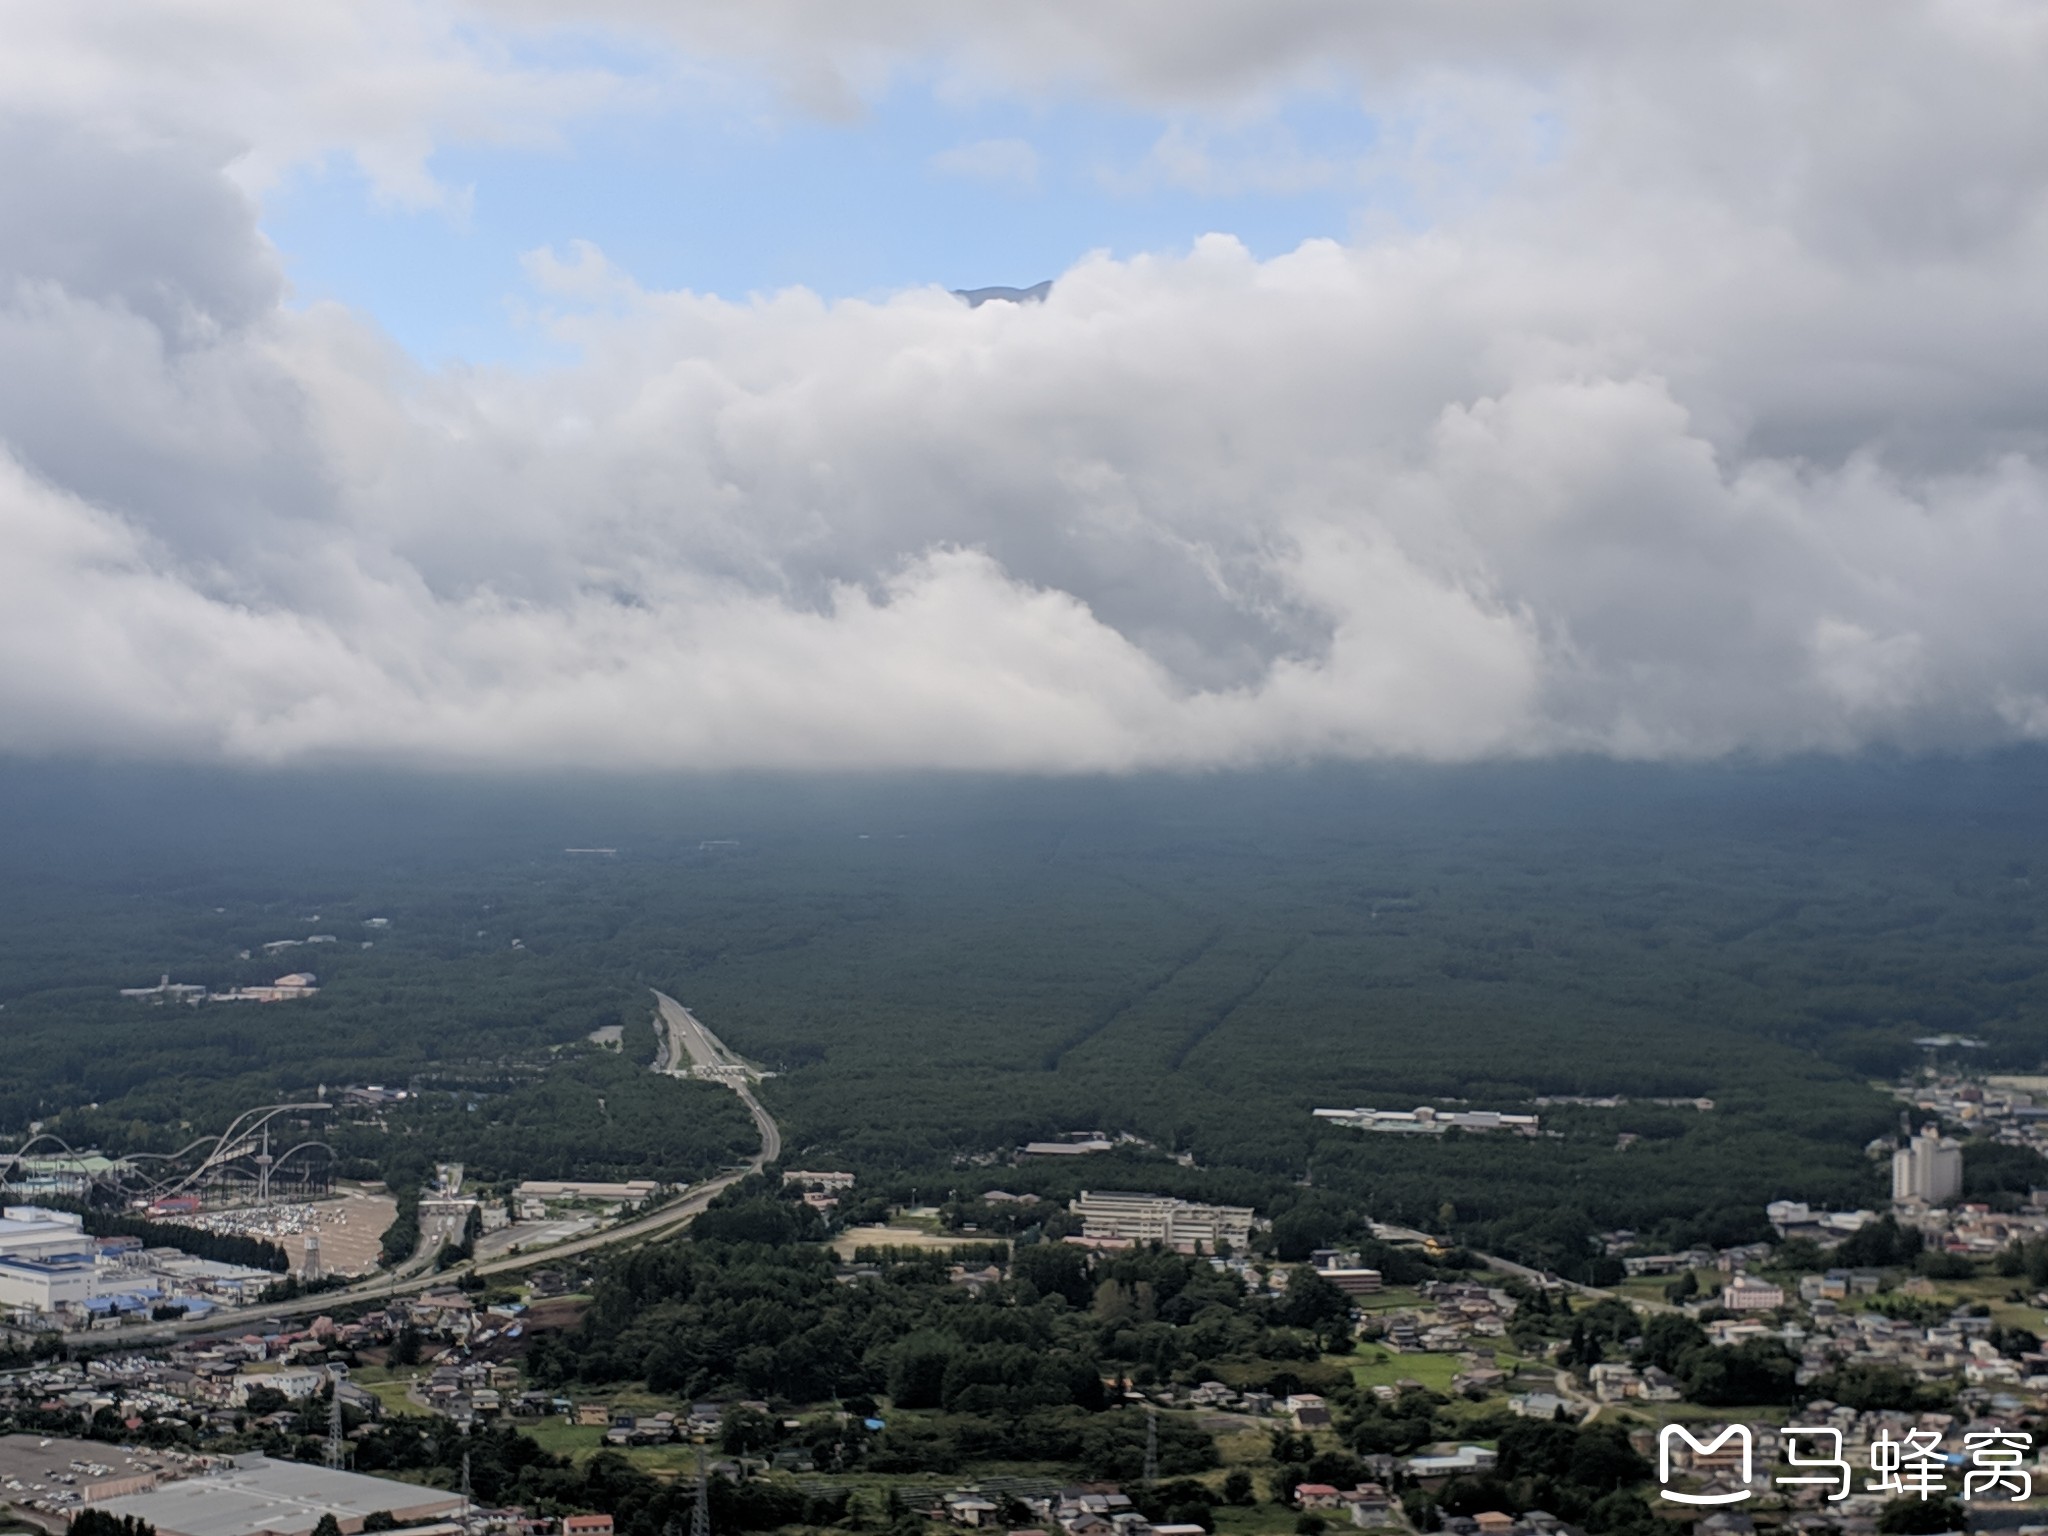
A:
x: 1992, y: 1290
x: 1651, y: 1287
x: 1384, y: 1368
x: 580, y: 1442
x: 557, y: 1435
x: 1245, y: 1448
x: 1394, y: 1298
x: 1257, y: 1520
x: 1654, y: 1414
x: 392, y: 1395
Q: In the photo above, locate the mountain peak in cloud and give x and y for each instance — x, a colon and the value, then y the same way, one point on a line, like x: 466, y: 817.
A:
x: 976, y: 297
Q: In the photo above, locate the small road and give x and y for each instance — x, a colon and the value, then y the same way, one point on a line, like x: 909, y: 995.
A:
x: 1587, y: 1408
x: 680, y: 1035
x: 1494, y: 1261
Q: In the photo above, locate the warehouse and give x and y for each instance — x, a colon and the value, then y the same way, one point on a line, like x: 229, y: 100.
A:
x: 255, y: 1494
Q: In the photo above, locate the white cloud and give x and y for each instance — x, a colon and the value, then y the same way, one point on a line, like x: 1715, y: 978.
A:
x: 383, y: 82
x: 1192, y: 159
x: 1701, y: 414
x: 1004, y: 161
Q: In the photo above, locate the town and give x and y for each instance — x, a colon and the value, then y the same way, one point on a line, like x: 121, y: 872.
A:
x: 1921, y: 1322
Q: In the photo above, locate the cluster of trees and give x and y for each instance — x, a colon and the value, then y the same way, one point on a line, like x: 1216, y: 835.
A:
x: 403, y: 1235
x: 1753, y: 1373
x: 1879, y: 1244
x: 580, y: 1113
x: 2026, y: 1258
x: 746, y: 1305
x: 1756, y: 1371
x: 1584, y: 1475
x: 107, y: 1424
x: 97, y: 1522
x: 1097, y: 1446
x: 508, y: 1467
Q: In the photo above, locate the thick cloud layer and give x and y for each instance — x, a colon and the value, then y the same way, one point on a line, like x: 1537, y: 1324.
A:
x: 1703, y: 413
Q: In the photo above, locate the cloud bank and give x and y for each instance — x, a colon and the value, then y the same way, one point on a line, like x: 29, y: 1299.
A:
x: 1697, y: 403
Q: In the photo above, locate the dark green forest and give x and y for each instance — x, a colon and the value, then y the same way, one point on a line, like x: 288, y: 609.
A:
x: 939, y: 969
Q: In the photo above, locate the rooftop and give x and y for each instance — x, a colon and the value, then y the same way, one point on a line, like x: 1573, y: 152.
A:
x: 257, y: 1494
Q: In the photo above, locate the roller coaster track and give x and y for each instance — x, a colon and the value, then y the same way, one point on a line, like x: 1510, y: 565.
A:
x: 12, y: 1160
x: 246, y: 1137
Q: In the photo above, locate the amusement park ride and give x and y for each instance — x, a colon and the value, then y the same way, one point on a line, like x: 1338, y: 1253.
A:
x: 234, y: 1168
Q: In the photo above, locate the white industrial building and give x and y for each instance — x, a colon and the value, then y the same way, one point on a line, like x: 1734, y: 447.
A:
x: 1427, y: 1120
x: 50, y: 1266
x: 256, y: 1496
x: 46, y: 1260
x: 1119, y: 1216
x: 1927, y: 1170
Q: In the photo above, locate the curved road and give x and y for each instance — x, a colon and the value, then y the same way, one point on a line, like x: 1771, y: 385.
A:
x: 680, y: 1035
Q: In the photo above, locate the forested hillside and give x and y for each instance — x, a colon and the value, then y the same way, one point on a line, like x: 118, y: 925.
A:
x: 941, y: 969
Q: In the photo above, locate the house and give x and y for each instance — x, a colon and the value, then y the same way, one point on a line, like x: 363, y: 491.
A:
x: 1308, y: 1410
x: 970, y: 1509
x: 642, y: 1431
x: 1315, y: 1496
x: 586, y: 1525
x: 1660, y: 1386
x: 1742, y: 1294
x: 1614, y: 1381
x: 593, y: 1415
x: 1369, y: 1505
x: 1466, y: 1459
x: 1479, y: 1378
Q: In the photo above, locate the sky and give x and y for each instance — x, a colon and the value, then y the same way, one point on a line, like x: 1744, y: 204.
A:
x: 508, y: 385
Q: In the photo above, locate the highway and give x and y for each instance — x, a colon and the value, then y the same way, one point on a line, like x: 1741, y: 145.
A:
x: 680, y: 1035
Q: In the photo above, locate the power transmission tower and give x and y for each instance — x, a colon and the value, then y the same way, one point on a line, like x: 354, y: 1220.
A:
x: 1151, y: 1445
x: 700, y: 1512
x: 337, y: 1440
x: 466, y: 1497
